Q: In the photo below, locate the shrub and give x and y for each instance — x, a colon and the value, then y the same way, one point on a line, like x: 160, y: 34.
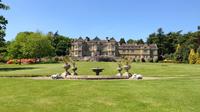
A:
x: 10, y: 62
x: 106, y: 59
x: 49, y: 60
x: 198, y: 61
x: 3, y: 59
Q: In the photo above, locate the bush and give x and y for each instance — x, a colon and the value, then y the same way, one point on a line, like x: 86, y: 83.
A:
x: 106, y: 59
x: 198, y: 61
x: 10, y: 62
x: 50, y: 60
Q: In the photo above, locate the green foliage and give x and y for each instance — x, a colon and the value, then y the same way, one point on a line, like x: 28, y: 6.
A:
x: 166, y: 42
x: 198, y: 61
x: 15, y: 50
x: 30, y: 45
x: 60, y: 43
x: 192, y: 57
x: 198, y: 56
x: 3, y: 23
x: 175, y: 43
x: 131, y: 41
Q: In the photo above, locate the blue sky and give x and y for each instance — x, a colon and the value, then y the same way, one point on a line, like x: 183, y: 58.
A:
x: 114, y: 18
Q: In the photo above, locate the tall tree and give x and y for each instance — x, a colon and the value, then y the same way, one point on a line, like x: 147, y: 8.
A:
x: 3, y: 23
x: 60, y: 43
x: 140, y: 41
x: 30, y: 45
x: 131, y: 41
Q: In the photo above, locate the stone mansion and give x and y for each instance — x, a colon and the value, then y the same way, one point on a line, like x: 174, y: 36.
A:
x: 91, y: 48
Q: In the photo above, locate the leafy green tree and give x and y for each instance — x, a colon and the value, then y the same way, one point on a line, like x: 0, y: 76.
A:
x: 140, y: 41
x: 39, y: 46
x: 131, y: 41
x: 30, y: 45
x: 60, y: 43
x: 166, y: 42
x: 158, y: 38
x: 15, y: 51
x: 3, y: 23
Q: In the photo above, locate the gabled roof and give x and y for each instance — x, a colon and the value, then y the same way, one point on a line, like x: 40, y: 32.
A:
x: 112, y: 39
x: 96, y: 39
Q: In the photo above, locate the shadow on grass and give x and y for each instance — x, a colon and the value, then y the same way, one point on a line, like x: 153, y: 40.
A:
x: 17, y: 68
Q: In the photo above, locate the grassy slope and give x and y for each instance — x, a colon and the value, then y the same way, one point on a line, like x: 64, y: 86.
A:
x: 84, y: 68
x: 174, y: 95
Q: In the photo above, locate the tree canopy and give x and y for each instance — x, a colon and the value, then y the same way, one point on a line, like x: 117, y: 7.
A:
x: 60, y: 43
x: 30, y: 45
x: 3, y: 23
x: 175, y: 45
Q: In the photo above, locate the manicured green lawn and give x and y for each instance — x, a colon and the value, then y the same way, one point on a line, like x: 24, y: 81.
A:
x: 84, y: 68
x: 180, y: 94
x: 168, y: 95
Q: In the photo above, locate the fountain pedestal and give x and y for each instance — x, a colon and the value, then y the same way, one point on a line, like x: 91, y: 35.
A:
x: 97, y: 70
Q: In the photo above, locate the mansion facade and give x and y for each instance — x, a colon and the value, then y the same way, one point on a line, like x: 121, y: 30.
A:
x: 90, y: 48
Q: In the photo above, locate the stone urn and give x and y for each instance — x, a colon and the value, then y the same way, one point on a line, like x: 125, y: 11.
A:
x: 119, y: 69
x: 127, y: 68
x: 66, y: 73
x: 74, y: 69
